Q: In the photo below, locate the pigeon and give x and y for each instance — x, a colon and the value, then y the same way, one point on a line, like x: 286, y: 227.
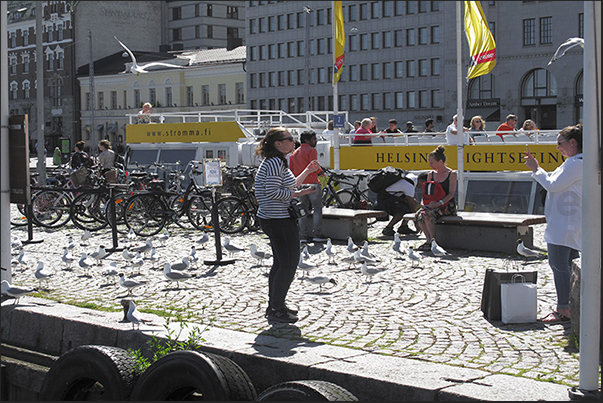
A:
x: 129, y: 284
x: 144, y: 249
x: 564, y: 47
x: 330, y: 251
x: 15, y: 291
x: 232, y: 249
x: 85, y: 262
x: 413, y: 256
x: 85, y: 237
x: 437, y: 250
x: 99, y: 254
x: 41, y: 274
x: 320, y: 280
x: 137, y: 262
x: 258, y: 255
x: 525, y: 251
x: 203, y: 240
x: 138, y: 69
x: 163, y: 237
x: 174, y: 275
x: 182, y: 265
x: 351, y: 246
x: 369, y: 272
x: 305, y: 266
x: 67, y: 257
x: 133, y: 315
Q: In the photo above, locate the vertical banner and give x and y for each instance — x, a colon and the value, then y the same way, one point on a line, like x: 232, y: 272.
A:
x: 339, y: 41
x: 482, y: 47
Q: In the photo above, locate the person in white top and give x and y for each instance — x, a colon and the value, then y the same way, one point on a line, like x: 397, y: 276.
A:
x: 563, y: 211
x: 452, y: 137
x: 327, y: 134
x: 398, y: 199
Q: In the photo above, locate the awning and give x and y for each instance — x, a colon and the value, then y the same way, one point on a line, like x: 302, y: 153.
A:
x: 86, y: 128
x: 489, y: 114
x: 100, y: 127
x: 112, y: 128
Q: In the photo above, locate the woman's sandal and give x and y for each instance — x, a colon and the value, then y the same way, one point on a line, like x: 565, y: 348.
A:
x: 554, y: 317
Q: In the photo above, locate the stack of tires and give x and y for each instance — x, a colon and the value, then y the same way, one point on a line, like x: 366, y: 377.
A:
x: 93, y: 372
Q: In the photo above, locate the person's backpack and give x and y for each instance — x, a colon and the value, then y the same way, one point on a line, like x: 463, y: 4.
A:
x: 87, y: 161
x: 433, y: 191
x: 384, y: 177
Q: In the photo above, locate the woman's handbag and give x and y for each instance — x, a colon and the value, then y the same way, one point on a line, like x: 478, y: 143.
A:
x: 518, y: 301
x: 80, y: 177
x: 491, y: 300
x: 297, y: 209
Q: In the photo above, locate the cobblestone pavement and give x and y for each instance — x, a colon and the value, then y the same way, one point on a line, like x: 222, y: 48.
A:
x: 430, y: 312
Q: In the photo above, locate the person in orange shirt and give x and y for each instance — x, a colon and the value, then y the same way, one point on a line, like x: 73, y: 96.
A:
x: 507, y: 127
x: 298, y: 161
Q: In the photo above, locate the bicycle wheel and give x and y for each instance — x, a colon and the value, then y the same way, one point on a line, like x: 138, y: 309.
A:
x: 344, y: 199
x: 179, y: 215
x: 87, y: 211
x: 145, y: 214
x: 329, y: 199
x: 51, y: 208
x: 232, y: 214
x: 18, y: 215
x: 364, y: 202
x: 120, y: 208
x: 199, y: 210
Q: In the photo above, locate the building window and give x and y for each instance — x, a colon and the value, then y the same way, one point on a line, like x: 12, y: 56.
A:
x: 546, y: 30
x: 539, y: 84
x: 399, y: 38
x: 61, y: 63
x: 14, y: 90
x: 26, y: 89
x: 50, y: 58
x: 262, y: 80
x: 290, y: 49
x: 353, y: 43
x: 169, y: 98
x: 263, y: 26
x: 423, y: 36
x: 282, y: 50
x: 263, y: 52
x: 410, y: 37
x: 272, y: 51
x: 435, y: 67
x: 60, y: 33
x: 387, y: 70
x: 282, y: 79
x: 364, y: 102
x: 291, y: 21
x: 253, y: 27
x: 301, y: 49
x: 352, y: 12
x: 363, y: 11
x: 364, y: 72
x: 240, y: 91
x: 232, y: 12
x: 411, y: 7
x: 137, y: 101
x: 13, y: 39
x: 354, y: 73
x: 423, y: 70
x: 25, y: 38
x: 387, y: 100
x: 177, y: 34
x: 301, y: 80
x: 125, y: 98
x: 153, y: 96
x: 113, y: 99
x: 376, y: 101
x: 387, y: 39
x: 399, y: 100
x: 375, y: 10
x: 435, y: 34
x: 481, y: 87
x: 13, y: 65
x: 280, y: 22
x: 423, y: 99
x: 529, y: 32
x: 322, y: 75
x: 322, y: 46
x: 581, y: 25
x: 205, y: 95
x: 321, y: 17
x: 435, y: 98
x: 210, y: 10
x: 291, y: 77
x: 50, y: 34
x: 375, y: 71
x: 411, y: 102
x: 354, y: 102
x: 26, y: 64
x: 176, y: 13
x: 410, y: 68
x: 435, y: 6
x: 375, y: 36
x: 399, y: 69
x: 210, y: 31
x: 100, y: 95
x: 189, y: 96
x: 222, y: 94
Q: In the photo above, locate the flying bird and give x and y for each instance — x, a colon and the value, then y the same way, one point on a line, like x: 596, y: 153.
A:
x: 525, y: 251
x: 138, y: 69
x: 564, y: 47
x: 15, y: 291
x: 437, y: 250
x: 129, y: 284
x: 320, y: 280
x: 258, y: 255
x: 174, y: 275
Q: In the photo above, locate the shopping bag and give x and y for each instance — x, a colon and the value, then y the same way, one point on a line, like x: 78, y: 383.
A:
x: 518, y: 301
x: 490, y: 305
x: 81, y: 177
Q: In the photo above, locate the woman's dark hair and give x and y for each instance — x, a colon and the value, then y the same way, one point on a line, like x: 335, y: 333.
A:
x: 266, y: 148
x: 80, y: 145
x: 438, y: 154
x: 573, y: 132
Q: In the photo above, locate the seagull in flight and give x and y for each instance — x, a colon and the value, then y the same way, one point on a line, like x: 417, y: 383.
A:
x: 15, y: 291
x: 138, y: 69
x: 564, y: 47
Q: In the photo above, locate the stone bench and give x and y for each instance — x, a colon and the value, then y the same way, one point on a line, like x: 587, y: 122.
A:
x: 340, y: 223
x: 493, y: 232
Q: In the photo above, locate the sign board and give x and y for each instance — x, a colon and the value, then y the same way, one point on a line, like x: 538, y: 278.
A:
x: 339, y: 121
x: 213, y: 171
x: 18, y: 143
x: 192, y: 132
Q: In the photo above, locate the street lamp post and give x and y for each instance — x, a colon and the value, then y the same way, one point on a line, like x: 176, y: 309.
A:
x: 307, y: 10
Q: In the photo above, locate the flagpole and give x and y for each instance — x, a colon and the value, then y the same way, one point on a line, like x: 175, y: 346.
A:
x: 335, y: 100
x: 459, y: 112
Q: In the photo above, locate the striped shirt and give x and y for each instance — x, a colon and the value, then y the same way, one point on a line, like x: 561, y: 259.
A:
x: 274, y: 184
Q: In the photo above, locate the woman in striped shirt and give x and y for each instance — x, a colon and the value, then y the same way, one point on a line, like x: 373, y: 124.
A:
x: 275, y: 185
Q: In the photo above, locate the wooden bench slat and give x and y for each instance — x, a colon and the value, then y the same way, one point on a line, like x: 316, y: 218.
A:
x: 335, y: 212
x: 480, y: 218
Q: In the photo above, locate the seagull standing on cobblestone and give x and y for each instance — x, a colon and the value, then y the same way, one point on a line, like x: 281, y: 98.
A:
x: 258, y: 255
x: 110, y: 270
x: 525, y: 251
x: 15, y: 291
x: 437, y: 250
x: 397, y: 247
x: 331, y: 253
x: 413, y: 256
x: 144, y: 249
x: 320, y: 280
x: 129, y: 284
x: 70, y: 243
x: 231, y: 248
x: 203, y: 240
x: 22, y: 259
x: 369, y: 272
x: 85, y: 263
x: 133, y: 315
x: 365, y: 251
x: 137, y: 262
x: 42, y: 274
x: 305, y: 266
x: 163, y: 237
x: 67, y: 257
x: 85, y: 237
x: 305, y: 253
x: 351, y: 246
x: 99, y: 254
x: 16, y: 243
x: 154, y: 256
x: 174, y: 275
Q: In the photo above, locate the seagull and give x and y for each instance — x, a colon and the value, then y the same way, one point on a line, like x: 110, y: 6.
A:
x: 41, y: 274
x: 397, y: 240
x: 85, y: 237
x: 258, y: 255
x: 525, y: 251
x: 128, y: 255
x: 182, y: 265
x: 133, y: 315
x: 110, y: 270
x: 232, y: 249
x: 359, y: 258
x: 163, y: 237
x: 173, y: 275
x: 138, y: 69
x: 16, y: 243
x: 330, y: 251
x: 351, y: 246
x: 131, y: 235
x: 397, y: 247
x: 144, y: 248
x: 193, y: 257
x: 154, y: 256
x: 128, y: 283
x: 304, y: 266
x: 137, y: 262
x: 437, y: 250
x: 22, y: 259
x: 413, y: 256
x: 305, y: 253
x: 15, y: 291
x: 369, y: 272
x: 99, y: 254
x: 70, y: 243
x: 67, y: 257
x: 365, y: 251
x: 203, y: 240
x: 564, y: 47
x: 320, y: 280
x: 85, y: 262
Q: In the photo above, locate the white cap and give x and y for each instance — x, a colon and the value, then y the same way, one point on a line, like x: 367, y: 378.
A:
x: 412, y: 177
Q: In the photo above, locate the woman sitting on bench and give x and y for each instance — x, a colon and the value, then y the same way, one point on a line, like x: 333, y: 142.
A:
x: 438, y: 195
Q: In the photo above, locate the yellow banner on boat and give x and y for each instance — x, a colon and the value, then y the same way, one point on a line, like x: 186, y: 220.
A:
x: 191, y: 132
x: 500, y: 157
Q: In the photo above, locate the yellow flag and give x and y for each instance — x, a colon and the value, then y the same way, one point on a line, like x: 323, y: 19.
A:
x: 481, y: 42
x: 339, y: 41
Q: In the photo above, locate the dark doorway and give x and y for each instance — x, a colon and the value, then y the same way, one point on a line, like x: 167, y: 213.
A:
x: 545, y: 116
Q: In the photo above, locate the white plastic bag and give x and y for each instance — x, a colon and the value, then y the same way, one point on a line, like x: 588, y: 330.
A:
x: 518, y: 301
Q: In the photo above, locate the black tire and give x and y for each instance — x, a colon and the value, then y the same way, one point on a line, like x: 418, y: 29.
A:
x: 89, y: 373
x: 346, y: 199
x: 145, y: 214
x: 310, y: 390
x: 199, y: 210
x: 18, y: 215
x: 87, y: 211
x: 120, y: 208
x: 232, y: 215
x: 51, y: 208
x: 192, y: 375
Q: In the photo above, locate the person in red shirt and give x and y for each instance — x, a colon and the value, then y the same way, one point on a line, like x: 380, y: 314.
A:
x: 507, y: 127
x: 298, y: 161
x: 365, y: 128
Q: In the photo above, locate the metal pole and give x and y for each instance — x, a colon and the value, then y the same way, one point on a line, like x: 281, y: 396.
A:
x: 92, y: 91
x: 459, y: 112
x: 335, y: 100
x: 307, y: 10
x: 40, y: 92
x: 5, y: 256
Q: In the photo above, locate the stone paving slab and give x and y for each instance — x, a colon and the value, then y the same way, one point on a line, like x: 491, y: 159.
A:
x: 429, y: 313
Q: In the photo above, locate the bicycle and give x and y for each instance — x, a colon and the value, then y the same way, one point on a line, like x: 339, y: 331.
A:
x: 351, y: 197
x: 238, y: 211
x: 147, y: 213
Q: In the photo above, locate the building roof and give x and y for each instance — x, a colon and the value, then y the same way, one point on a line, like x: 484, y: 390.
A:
x: 214, y: 56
